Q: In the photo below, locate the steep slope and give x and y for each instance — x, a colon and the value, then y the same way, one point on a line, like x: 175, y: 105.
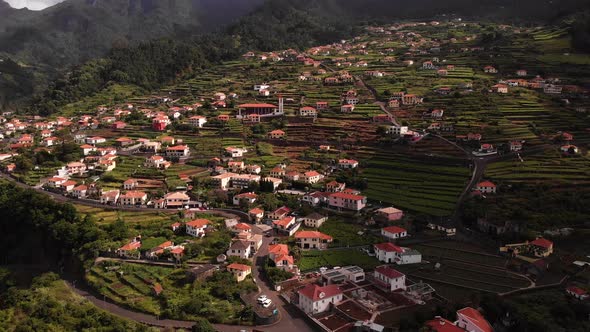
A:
x: 77, y: 30
x: 284, y: 23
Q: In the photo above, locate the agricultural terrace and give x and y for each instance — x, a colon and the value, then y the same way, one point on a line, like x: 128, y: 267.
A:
x: 463, y: 269
x: 421, y: 185
x: 544, y: 187
x: 133, y: 285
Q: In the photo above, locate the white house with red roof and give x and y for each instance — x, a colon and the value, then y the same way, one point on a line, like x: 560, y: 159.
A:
x: 279, y: 254
x: 110, y: 197
x: 87, y: 149
x: 248, y: 198
x: 347, y: 163
x: 390, y: 253
x: 542, y: 247
x: 515, y: 145
x: 387, y: 252
x: 312, y: 177
x: 132, y: 198
x: 577, y: 293
x: 276, y: 134
x: 95, y: 140
x: 76, y: 167
x: 279, y: 213
x: 241, y: 228
x: 178, y: 151
x: 55, y: 182
x: 347, y: 201
x: 314, y: 299
x: 312, y: 240
x: 486, y: 187
x: 472, y: 320
x: 68, y: 186
x: 389, y: 278
x: 130, y: 250
x: 235, y: 152
x: 80, y: 191
x: 348, y: 108
x: 394, y: 232
x: 256, y: 214
x: 240, y: 271
x: 500, y: 88
x: 308, y: 111
x: 197, y: 227
x: 157, y: 162
x: 287, y: 225
x: 315, y: 198
x: 130, y: 184
x: 335, y: 187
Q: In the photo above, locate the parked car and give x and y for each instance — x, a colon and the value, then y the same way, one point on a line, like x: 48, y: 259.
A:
x: 261, y: 298
x: 267, y: 303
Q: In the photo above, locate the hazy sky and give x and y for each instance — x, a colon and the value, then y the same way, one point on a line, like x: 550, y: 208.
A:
x: 33, y: 4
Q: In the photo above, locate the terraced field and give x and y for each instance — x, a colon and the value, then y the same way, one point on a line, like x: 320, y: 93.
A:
x: 548, y: 167
x: 414, y: 184
x: 107, y: 216
x: 463, y: 268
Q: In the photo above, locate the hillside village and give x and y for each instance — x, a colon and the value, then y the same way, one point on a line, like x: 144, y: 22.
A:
x: 361, y: 182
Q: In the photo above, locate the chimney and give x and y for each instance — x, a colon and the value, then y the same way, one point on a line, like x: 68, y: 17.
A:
x: 281, y: 105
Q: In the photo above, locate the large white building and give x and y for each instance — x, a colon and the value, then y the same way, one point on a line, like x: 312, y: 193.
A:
x: 314, y: 299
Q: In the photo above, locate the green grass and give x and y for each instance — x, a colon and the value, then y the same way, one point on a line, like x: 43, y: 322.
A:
x: 345, y: 234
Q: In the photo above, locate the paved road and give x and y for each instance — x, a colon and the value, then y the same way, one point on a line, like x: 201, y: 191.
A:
x: 291, y: 319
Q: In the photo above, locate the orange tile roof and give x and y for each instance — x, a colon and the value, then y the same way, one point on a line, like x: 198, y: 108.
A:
x: 238, y: 266
x: 312, y: 234
x: 198, y: 223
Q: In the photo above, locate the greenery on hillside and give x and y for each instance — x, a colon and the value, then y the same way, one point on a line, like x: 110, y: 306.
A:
x: 48, y: 305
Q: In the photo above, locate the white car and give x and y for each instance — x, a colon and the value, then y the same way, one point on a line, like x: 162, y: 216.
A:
x: 261, y: 298
x: 266, y: 303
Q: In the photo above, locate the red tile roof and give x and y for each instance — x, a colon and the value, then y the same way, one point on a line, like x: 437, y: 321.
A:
x: 576, y: 290
x: 394, y: 229
x: 476, y: 318
x: 316, y: 293
x: 280, y: 258
x: 278, y: 249
x: 243, y: 226
x: 284, y: 222
x: 198, y: 223
x: 348, y: 196
x: 543, y: 243
x: 133, y: 194
x: 131, y: 246
x: 389, y: 247
x: 312, y: 234
x: 178, y: 148
x: 257, y: 106
x: 440, y: 324
x: 256, y: 211
x: 388, y: 272
x: 239, y: 267
x: 486, y: 184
